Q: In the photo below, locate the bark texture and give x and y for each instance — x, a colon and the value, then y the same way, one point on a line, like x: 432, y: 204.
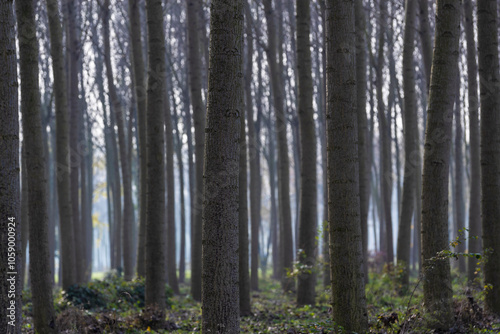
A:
x: 155, y: 257
x: 487, y: 25
x: 40, y: 273
x: 9, y: 173
x: 62, y: 148
x: 437, y: 283
x: 346, y: 258
x: 308, y: 214
x: 220, y: 295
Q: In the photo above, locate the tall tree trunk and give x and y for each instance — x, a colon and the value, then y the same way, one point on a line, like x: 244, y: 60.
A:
x: 155, y: 257
x: 10, y: 235
x: 437, y: 283
x: 253, y: 155
x: 385, y: 141
x: 285, y: 217
x: 140, y: 92
x: 220, y: 295
x: 364, y: 165
x: 346, y: 249
x: 41, y: 283
x: 62, y: 148
x: 199, y: 133
x: 487, y: 32
x: 171, y: 231
x: 308, y: 214
x: 474, y: 140
x: 128, y: 265
x: 425, y: 38
x: 411, y: 144
x: 24, y: 218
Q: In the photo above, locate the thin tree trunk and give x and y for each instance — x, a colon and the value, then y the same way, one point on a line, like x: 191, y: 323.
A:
x: 41, y: 283
x: 425, y: 38
x: 487, y: 32
x: 155, y: 257
x: 62, y: 148
x: 24, y: 221
x: 474, y: 140
x: 437, y: 283
x: 308, y: 214
x: 346, y: 249
x: 220, y: 295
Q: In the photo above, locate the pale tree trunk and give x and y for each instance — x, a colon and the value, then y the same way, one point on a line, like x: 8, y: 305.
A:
x: 155, y: 257
x: 437, y: 282
x: 66, y: 225
x: 170, y: 230
x: 364, y: 165
x: 244, y: 275
x: 385, y: 142
x: 199, y: 134
x: 308, y: 214
x: 285, y: 217
x: 9, y: 175
x: 128, y: 265
x: 40, y: 273
x: 140, y: 98
x: 253, y: 155
x: 487, y: 25
x: 220, y: 295
x: 346, y: 249
x: 474, y: 146
x: 411, y: 145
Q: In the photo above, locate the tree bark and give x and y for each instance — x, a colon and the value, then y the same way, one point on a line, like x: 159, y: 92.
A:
x: 40, y: 274
x: 9, y: 174
x: 285, y: 217
x: 199, y: 133
x: 308, y: 214
x: 437, y: 283
x: 66, y: 224
x: 155, y: 257
x: 475, y: 245
x: 425, y: 38
x: 220, y: 295
x: 346, y: 253
x: 411, y: 144
x: 487, y: 32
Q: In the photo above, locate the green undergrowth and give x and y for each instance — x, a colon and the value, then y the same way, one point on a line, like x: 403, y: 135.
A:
x: 113, y: 305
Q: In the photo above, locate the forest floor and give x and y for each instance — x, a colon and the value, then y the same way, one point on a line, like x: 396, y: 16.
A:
x: 115, y: 306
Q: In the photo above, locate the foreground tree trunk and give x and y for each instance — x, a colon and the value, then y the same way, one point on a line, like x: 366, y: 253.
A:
x: 285, y: 218
x: 437, y: 283
x: 66, y: 227
x: 9, y: 174
x: 411, y: 144
x: 474, y: 140
x: 487, y: 24
x: 40, y: 273
x: 140, y: 98
x: 308, y: 214
x: 155, y: 257
x: 220, y: 296
x: 346, y: 255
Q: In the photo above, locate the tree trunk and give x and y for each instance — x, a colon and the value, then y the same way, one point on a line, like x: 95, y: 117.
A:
x: 283, y: 159
x: 308, y: 214
x: 411, y: 145
x: 66, y: 224
x: 220, y: 295
x: 128, y: 265
x: 155, y: 257
x: 140, y: 92
x: 10, y: 242
x: 437, y: 283
x: 487, y: 25
x: 40, y: 274
x: 346, y: 253
x: 425, y: 38
x: 199, y: 133
x: 25, y: 232
x: 474, y: 146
